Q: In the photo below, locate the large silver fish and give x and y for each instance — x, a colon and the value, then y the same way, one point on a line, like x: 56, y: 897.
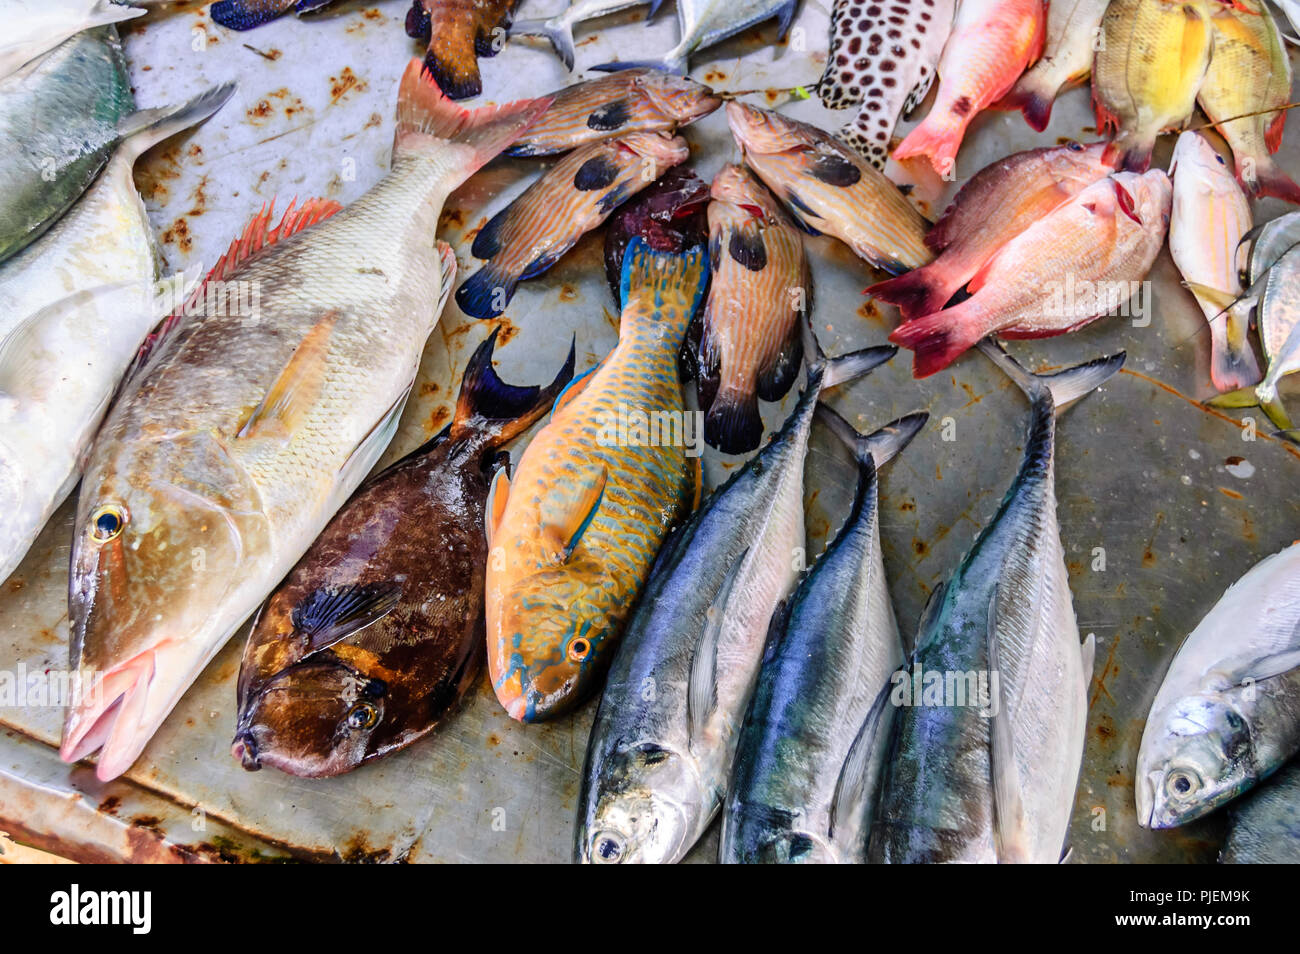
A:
x: 812, y: 744
x: 706, y: 22
x: 1264, y: 827
x: 662, y: 744
x: 559, y: 28
x: 33, y: 27
x: 229, y: 451
x: 994, y: 697
x: 1228, y: 711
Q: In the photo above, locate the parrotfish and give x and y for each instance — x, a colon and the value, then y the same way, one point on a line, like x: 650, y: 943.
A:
x: 559, y: 28
x: 706, y: 22
x: 229, y: 450
x: 1073, y: 32
x: 641, y: 100
x: 569, y: 200
x: 670, y: 216
x: 829, y: 188
x: 573, y: 533
x: 751, y: 344
x: 375, y: 636
x: 458, y: 32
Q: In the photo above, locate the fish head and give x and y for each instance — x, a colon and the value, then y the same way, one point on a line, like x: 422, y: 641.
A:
x: 645, y: 809
x: 1196, y: 162
x: 659, y: 150
x: 314, y: 719
x: 1144, y: 198
x: 734, y: 185
x: 762, y: 131
x: 166, y: 529
x: 679, y: 98
x: 1079, y: 162
x: 1195, y: 756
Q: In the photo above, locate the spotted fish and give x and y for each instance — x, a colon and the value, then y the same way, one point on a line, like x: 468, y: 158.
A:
x: 883, y: 58
x: 573, y: 533
x: 573, y: 197
x: 631, y: 101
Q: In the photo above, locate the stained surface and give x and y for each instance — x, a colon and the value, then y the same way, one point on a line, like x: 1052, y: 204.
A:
x: 1173, y: 496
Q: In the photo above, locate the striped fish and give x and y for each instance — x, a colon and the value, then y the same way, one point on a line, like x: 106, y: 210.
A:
x: 577, y: 194
x: 830, y: 188
x: 632, y: 101
x: 573, y: 535
x: 751, y: 346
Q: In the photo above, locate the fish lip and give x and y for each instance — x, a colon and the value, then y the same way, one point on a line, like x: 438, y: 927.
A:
x: 244, y: 748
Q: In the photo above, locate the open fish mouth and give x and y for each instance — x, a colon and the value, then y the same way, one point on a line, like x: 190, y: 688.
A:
x: 112, y: 720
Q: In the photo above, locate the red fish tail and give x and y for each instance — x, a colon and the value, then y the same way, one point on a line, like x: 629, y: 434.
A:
x: 922, y: 291
x: 1260, y: 175
x: 1128, y: 153
x: 938, y: 138
x: 939, y: 339
x: 1033, y: 98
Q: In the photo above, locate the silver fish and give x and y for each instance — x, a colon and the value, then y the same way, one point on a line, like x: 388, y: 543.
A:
x: 1228, y: 711
x: 559, y: 29
x: 33, y: 27
x: 986, y: 771
x: 811, y: 747
x: 1264, y: 827
x: 706, y: 22
x: 662, y: 744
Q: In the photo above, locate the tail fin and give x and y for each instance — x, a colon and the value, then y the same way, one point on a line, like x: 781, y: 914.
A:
x: 842, y: 368
x: 486, y: 293
x: 938, y: 138
x: 733, y: 424
x: 1268, y: 179
x: 881, y: 445
x: 452, y: 60
x: 1033, y: 95
x: 671, y: 62
x: 487, y: 402
x: 427, y: 118
x: 148, y: 127
x: 940, y: 338
x: 246, y: 14
x: 557, y: 30
x: 1129, y: 152
x: 1065, y: 386
x: 669, y: 275
x: 922, y: 291
x: 106, y: 11
x: 1261, y: 396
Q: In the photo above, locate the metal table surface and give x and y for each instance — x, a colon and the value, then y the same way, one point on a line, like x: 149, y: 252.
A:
x: 1177, y: 498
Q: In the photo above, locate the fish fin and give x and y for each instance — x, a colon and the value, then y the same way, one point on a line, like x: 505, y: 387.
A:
x: 784, y: 17
x: 452, y: 61
x: 258, y: 235
x: 939, y: 339
x: 937, y: 137
x: 296, y: 388
x: 574, y: 388
x: 105, y: 12
x: 1232, y: 361
x: 333, y: 613
x: 1066, y: 386
x: 1088, y: 651
x: 1274, y: 132
x: 702, y: 686
x: 674, y: 61
x: 733, y: 424
x: 487, y: 292
x: 1033, y: 95
x: 835, y: 170
x: 800, y: 211
x: 776, y: 378
x: 610, y: 116
x: 1129, y: 152
x: 369, y: 448
x: 842, y: 368
x: 147, y: 127
x: 746, y: 247
x: 654, y: 8
x: 310, y: 6
x: 498, y: 496
x: 1009, y: 828
x: 598, y: 172
x: 562, y: 529
x: 1212, y: 296
x: 922, y: 291
x: 488, y: 403
x: 1264, y: 177
x: 881, y: 445
x: 493, y: 235
x: 247, y: 14
x: 929, y: 614
x: 427, y: 120
x: 446, y: 276
x: 556, y: 30
x: 1264, y: 667
x: 858, y: 774
x: 1238, y: 398
x: 664, y: 275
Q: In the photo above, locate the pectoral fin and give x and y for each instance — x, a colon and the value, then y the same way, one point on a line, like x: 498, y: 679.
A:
x: 365, y: 454
x: 1265, y: 667
x: 291, y: 396
x: 498, y: 495
x: 563, y: 524
x: 331, y: 614
x: 858, y: 774
x: 1009, y: 829
x: 702, y: 689
x: 573, y: 389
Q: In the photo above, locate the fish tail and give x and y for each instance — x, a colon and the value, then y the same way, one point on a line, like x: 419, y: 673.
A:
x: 246, y: 14
x: 1065, y: 386
x: 881, y: 445
x: 922, y: 291
x: 671, y: 62
x: 1232, y: 361
x: 733, y: 424
x: 452, y: 57
x: 558, y: 31
x: 938, y: 138
x: 1261, y: 176
x: 1033, y: 95
x: 675, y: 278
x: 939, y: 339
x: 841, y: 368
x: 486, y: 293
x: 504, y: 410
x: 147, y: 127
x: 1264, y: 396
x: 427, y: 119
x: 106, y: 11
x: 1129, y: 152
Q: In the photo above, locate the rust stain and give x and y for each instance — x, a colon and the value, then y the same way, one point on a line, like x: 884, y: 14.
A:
x: 372, y: 13
x: 271, y: 54
x: 110, y: 805
x: 714, y: 76
x: 568, y: 293
x: 178, y: 234
x: 1107, y: 670
x: 1149, y: 554
x: 907, y: 505
x: 429, y: 388
x: 374, y: 120
x: 507, y: 332
x: 344, y: 83
x: 1231, y: 493
x: 199, y: 203
x: 259, y: 112
x: 437, y: 420
x: 920, y: 547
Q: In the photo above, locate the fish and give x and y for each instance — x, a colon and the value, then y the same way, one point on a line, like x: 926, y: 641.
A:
x: 376, y: 635
x: 1150, y: 63
x: 597, y: 110
x: 751, y: 344
x: 665, y: 733
x: 228, y: 451
x: 882, y: 59
x: 997, y: 204
x: 61, y: 115
x: 1291, y: 9
x: 985, y: 771
x: 1209, y: 219
x: 1073, y: 29
x: 33, y: 27
x: 991, y: 44
x: 573, y: 533
x: 670, y: 215
x: 1264, y: 826
x: 248, y: 14
x: 1071, y: 267
x: 704, y: 23
x: 458, y: 32
x: 570, y: 199
x: 74, y: 307
x: 827, y: 187
x: 1227, y: 713
x: 558, y: 29
x: 1249, y: 76
x: 813, y: 742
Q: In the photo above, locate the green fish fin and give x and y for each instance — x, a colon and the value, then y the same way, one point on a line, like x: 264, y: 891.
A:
x: 1276, y: 412
x: 702, y: 688
x: 857, y: 779
x: 574, y: 388
x: 1008, y: 810
x: 498, y: 495
x: 562, y: 530
x: 333, y: 613
x: 366, y: 452
x: 1242, y: 397
x: 296, y: 388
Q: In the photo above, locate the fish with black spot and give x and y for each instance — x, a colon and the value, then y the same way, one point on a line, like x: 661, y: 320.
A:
x: 458, y: 33
x: 375, y: 636
x: 575, y: 196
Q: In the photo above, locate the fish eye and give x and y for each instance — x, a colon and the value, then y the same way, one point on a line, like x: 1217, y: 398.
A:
x: 579, y: 649
x: 362, y: 716
x: 607, y: 848
x: 1074, y: 146
x: 107, y: 523
x: 1182, y: 784
x: 1219, y: 159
